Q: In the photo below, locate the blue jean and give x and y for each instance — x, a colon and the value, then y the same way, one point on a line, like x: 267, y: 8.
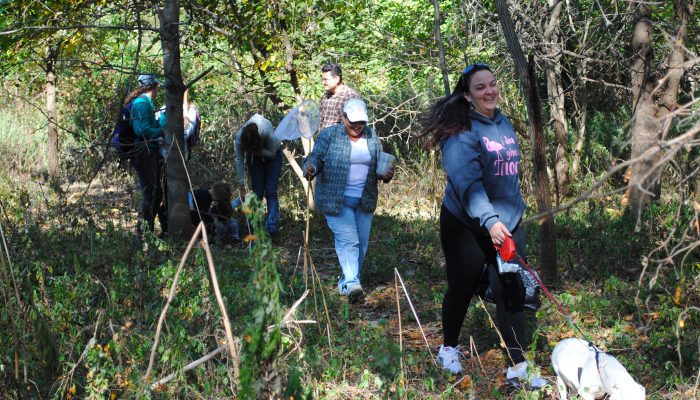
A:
x: 264, y: 175
x: 351, y: 228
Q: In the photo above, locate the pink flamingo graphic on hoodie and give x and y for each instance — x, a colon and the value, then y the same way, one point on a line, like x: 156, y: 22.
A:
x: 493, y: 146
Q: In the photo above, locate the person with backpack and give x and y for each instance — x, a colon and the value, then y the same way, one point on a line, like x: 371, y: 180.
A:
x: 257, y: 148
x: 149, y: 136
x: 482, y: 206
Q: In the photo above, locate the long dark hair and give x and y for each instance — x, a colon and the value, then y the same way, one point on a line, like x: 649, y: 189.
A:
x: 450, y: 114
x: 250, y: 139
x: 138, y: 92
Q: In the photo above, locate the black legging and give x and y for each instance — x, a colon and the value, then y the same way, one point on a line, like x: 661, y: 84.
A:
x: 465, y: 253
x: 146, y: 165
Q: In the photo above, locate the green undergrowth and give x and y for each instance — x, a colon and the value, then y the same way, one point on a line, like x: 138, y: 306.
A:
x: 91, y: 293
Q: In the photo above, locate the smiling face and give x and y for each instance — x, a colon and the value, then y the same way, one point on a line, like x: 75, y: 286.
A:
x: 483, y: 92
x: 354, y: 129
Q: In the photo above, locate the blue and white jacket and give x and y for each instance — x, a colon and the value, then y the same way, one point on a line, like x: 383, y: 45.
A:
x: 482, y: 167
x: 331, y: 158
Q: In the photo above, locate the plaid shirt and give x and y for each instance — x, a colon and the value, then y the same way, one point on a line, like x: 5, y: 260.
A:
x: 332, y: 105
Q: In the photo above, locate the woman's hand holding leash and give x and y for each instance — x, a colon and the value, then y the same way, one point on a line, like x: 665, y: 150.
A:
x: 498, y: 233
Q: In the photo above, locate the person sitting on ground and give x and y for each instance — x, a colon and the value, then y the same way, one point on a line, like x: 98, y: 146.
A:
x: 214, y: 207
x: 345, y: 160
x: 257, y: 147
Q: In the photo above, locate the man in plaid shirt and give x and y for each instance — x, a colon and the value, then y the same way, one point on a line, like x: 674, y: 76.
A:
x: 337, y: 93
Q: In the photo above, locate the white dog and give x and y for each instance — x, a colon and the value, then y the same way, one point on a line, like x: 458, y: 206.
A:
x: 575, y: 364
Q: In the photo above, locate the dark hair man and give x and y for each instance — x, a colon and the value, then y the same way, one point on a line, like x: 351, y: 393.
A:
x: 337, y: 93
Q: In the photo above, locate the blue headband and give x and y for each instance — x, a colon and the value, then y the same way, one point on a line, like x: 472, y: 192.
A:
x: 471, y: 68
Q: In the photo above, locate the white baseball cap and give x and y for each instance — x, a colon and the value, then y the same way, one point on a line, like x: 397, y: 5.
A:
x: 355, y: 110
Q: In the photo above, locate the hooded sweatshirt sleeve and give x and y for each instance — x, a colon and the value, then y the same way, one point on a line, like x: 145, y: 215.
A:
x: 143, y: 120
x: 461, y: 155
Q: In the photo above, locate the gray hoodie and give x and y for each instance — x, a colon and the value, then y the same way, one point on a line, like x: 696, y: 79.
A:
x: 482, y: 167
x: 270, y: 144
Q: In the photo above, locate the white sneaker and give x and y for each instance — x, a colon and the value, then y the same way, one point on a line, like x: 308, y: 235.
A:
x: 517, y: 375
x: 449, y: 359
x: 355, y: 294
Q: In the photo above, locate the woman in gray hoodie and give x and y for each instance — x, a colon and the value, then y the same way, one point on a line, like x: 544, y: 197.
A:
x: 482, y: 205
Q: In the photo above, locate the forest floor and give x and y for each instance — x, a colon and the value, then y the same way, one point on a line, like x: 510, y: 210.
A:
x: 363, y: 360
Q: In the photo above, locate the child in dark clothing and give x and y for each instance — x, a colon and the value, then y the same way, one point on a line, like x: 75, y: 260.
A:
x: 213, y: 206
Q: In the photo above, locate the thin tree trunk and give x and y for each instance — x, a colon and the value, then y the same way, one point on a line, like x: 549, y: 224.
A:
x: 179, y: 225
x: 307, y: 144
x: 668, y: 99
x: 441, y: 48
x: 259, y: 54
x: 555, y: 93
x: 548, y: 253
x: 653, y: 102
x: 581, y: 106
x: 288, y: 53
x: 51, y: 57
x: 645, y: 125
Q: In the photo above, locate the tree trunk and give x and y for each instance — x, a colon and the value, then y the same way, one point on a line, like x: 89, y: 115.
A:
x: 259, y: 53
x: 441, y: 48
x: 555, y: 94
x: 51, y: 57
x: 653, y: 102
x: 179, y: 224
x: 581, y: 107
x: 288, y: 53
x: 643, y: 182
x: 548, y: 248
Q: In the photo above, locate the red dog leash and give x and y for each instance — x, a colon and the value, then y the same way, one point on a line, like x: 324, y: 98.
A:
x: 508, y: 253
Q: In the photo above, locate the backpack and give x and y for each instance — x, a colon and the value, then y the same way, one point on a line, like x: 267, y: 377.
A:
x: 193, y: 139
x: 123, y: 135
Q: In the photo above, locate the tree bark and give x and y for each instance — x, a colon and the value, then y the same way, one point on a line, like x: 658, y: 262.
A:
x: 288, y: 53
x: 548, y: 248
x: 645, y: 127
x: 653, y: 101
x: 555, y: 94
x: 179, y: 224
x: 581, y: 107
x: 52, y: 127
x: 441, y: 48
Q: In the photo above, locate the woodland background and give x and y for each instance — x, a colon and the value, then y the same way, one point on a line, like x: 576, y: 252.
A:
x: 603, y: 93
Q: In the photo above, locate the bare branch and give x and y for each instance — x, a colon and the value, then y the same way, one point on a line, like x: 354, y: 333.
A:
x: 65, y: 28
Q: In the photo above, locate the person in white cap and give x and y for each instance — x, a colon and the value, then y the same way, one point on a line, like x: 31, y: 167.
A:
x: 345, y: 160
